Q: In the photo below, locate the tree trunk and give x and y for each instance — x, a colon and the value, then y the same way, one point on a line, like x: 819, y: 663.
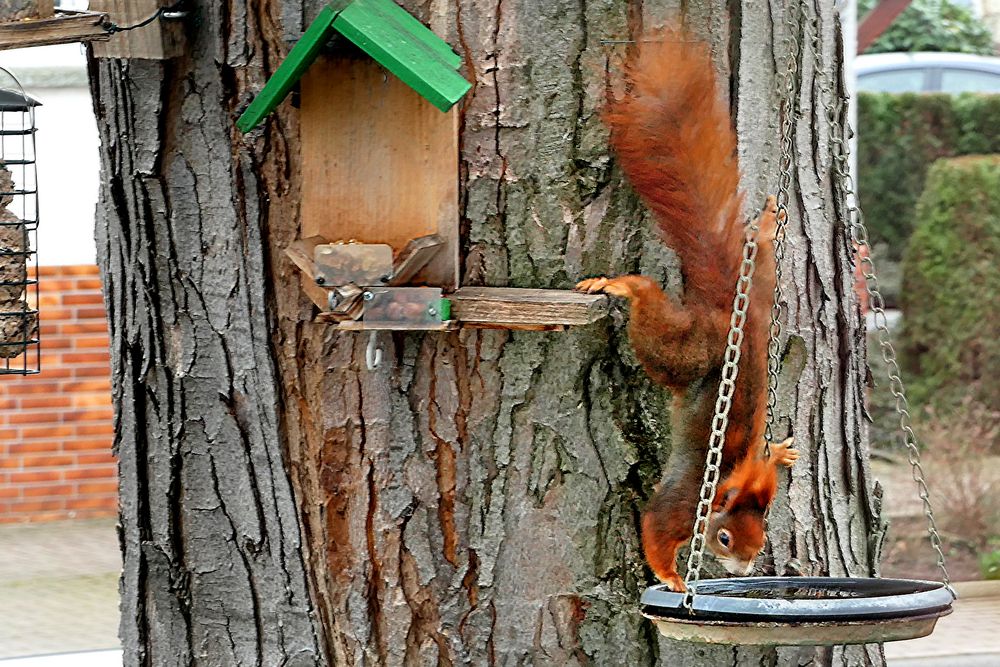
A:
x: 475, y: 499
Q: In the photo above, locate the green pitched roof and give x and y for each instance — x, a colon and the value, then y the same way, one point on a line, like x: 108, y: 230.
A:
x: 383, y: 30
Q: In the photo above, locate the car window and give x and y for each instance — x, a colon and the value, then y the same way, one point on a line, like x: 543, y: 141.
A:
x: 893, y: 81
x: 969, y: 81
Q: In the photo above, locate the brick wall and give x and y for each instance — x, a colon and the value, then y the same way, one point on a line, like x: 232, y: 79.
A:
x: 56, y: 427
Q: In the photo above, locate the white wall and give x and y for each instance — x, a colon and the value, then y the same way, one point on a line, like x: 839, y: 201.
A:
x: 67, y: 145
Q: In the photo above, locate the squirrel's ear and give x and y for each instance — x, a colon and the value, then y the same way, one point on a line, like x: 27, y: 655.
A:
x: 722, y: 499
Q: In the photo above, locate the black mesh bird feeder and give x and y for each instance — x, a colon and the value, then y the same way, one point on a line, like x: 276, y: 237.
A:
x: 19, y: 347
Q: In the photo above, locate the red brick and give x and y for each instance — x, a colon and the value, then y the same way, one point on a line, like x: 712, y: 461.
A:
x: 53, y: 369
x: 10, y: 463
x: 26, y: 506
x: 87, y: 445
x: 47, y: 461
x: 59, y: 285
x: 36, y: 446
x: 10, y: 491
x: 88, y: 284
x: 29, y: 387
x: 35, y: 417
x: 87, y: 385
x: 88, y: 415
x: 52, y: 343
x: 91, y: 371
x: 92, y: 342
x: 96, y: 429
x: 86, y: 357
x: 83, y: 299
x: 8, y: 403
x: 49, y: 299
x: 108, y: 503
x: 79, y: 270
x: 31, y: 476
x: 56, y: 314
x: 85, y: 327
x: 46, y: 402
x: 84, y: 400
x: 10, y: 434
x: 98, y: 488
x: 52, y: 431
x: 90, y: 459
x: 48, y: 491
x: 96, y: 472
x: 91, y: 314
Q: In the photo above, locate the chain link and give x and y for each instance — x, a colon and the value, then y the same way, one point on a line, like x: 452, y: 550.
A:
x: 859, y: 235
x: 786, y: 164
x: 720, y: 422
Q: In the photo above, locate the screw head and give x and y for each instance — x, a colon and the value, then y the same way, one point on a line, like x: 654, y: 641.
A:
x: 367, y: 296
x: 432, y: 311
x: 320, y: 280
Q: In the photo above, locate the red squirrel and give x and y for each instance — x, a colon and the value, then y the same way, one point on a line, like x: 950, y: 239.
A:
x: 674, y: 140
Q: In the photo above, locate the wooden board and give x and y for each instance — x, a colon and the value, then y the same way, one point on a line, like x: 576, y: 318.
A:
x: 502, y: 306
x: 63, y: 28
x: 159, y: 40
x: 379, y: 163
x: 301, y: 253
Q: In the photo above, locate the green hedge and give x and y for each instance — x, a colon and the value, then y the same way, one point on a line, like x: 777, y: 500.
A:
x: 899, y: 137
x: 951, y: 286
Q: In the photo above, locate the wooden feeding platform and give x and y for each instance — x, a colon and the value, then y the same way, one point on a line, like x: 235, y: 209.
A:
x: 64, y: 28
x: 467, y: 307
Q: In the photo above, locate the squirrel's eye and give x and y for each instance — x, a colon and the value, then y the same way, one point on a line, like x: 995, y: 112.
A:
x: 724, y: 537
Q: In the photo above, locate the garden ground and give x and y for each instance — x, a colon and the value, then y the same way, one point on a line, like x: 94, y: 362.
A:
x: 59, y: 592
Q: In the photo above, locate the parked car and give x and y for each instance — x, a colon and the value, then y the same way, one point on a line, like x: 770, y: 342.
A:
x: 927, y: 73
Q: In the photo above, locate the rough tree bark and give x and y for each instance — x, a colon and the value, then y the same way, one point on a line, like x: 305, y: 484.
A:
x: 475, y: 499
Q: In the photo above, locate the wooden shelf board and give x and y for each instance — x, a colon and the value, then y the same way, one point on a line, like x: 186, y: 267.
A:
x: 65, y: 27
x: 516, y: 306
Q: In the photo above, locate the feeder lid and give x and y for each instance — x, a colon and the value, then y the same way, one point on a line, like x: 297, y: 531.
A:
x: 15, y: 100
x: 799, y: 610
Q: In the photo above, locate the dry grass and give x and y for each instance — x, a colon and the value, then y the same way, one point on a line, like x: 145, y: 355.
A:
x: 960, y: 453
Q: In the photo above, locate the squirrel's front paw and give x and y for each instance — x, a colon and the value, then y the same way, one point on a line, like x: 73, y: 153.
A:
x: 592, y: 285
x: 767, y: 223
x: 783, y: 452
x: 623, y: 286
x: 675, y: 583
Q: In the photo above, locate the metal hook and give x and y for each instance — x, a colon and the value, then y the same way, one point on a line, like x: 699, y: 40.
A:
x: 373, y: 353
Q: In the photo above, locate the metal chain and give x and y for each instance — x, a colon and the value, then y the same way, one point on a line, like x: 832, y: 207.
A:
x: 859, y: 235
x: 720, y: 422
x: 785, y: 167
x: 734, y: 341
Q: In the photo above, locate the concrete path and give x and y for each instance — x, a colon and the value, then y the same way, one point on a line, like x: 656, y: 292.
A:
x: 969, y: 637
x: 59, y: 595
x: 58, y: 587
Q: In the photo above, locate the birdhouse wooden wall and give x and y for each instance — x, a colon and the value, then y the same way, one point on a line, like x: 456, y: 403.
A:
x: 379, y: 162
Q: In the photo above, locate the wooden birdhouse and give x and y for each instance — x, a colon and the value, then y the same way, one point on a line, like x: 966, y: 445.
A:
x: 379, y: 159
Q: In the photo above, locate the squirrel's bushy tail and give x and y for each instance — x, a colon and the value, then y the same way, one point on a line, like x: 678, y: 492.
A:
x: 673, y: 137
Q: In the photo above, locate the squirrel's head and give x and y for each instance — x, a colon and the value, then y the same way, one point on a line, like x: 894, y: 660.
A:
x: 736, y: 528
